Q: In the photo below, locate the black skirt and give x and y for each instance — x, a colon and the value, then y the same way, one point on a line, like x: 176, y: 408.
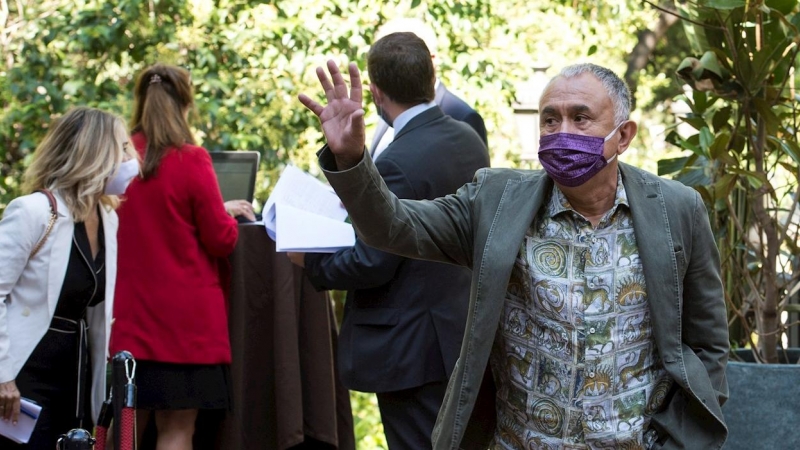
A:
x: 166, y: 386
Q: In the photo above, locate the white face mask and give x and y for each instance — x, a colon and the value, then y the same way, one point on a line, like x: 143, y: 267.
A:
x: 118, y: 183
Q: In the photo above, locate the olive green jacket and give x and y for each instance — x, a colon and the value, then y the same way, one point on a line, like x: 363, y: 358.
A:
x: 482, y: 226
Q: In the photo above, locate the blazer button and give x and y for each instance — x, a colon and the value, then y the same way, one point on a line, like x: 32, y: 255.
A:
x: 26, y: 311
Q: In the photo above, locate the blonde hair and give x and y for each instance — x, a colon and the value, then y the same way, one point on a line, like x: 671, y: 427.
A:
x: 78, y: 154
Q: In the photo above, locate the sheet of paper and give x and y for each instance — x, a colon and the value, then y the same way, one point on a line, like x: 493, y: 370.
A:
x: 303, y: 231
x: 303, y: 191
x: 21, y: 432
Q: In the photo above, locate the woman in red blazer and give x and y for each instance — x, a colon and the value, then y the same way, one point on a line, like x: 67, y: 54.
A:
x: 175, y: 234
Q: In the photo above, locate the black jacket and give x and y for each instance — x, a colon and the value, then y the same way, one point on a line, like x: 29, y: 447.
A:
x: 404, y: 319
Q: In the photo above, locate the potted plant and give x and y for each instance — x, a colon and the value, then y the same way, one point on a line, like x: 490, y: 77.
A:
x: 743, y: 158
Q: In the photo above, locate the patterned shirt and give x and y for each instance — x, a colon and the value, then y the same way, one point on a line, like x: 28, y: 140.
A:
x: 574, y: 359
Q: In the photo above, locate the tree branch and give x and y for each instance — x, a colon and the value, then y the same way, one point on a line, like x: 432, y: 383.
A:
x: 640, y: 55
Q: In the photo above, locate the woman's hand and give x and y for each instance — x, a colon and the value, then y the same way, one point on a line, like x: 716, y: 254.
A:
x: 238, y: 208
x: 9, y: 401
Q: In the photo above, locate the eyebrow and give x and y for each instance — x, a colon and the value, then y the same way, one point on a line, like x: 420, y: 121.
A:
x: 573, y: 109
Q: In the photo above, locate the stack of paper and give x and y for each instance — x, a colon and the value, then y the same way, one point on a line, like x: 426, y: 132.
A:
x: 21, y: 432
x: 304, y: 215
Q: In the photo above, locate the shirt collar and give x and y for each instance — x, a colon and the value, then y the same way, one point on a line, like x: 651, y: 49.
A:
x: 406, y: 116
x: 558, y: 201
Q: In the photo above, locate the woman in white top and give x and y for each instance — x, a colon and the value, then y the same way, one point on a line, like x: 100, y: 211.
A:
x: 58, y: 251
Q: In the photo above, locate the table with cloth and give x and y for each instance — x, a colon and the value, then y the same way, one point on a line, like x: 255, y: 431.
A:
x: 286, y: 391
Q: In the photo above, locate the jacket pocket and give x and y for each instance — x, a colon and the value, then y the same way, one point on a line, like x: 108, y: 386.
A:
x: 386, y: 317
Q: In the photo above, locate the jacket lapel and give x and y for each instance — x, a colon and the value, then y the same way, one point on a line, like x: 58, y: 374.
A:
x: 652, y: 231
x: 110, y: 226
x: 521, y: 200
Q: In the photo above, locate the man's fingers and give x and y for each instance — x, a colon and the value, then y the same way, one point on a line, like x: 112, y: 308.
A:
x: 339, y: 86
x: 357, y: 120
x: 355, y: 83
x: 325, y: 82
x: 315, y: 107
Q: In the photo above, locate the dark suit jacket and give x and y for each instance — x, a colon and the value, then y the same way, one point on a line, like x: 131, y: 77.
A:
x: 404, y: 319
x: 452, y: 106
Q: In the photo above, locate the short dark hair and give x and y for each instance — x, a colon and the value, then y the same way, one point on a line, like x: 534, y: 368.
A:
x: 400, y: 65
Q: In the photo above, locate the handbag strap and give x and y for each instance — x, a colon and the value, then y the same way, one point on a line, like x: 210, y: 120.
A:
x: 53, y: 217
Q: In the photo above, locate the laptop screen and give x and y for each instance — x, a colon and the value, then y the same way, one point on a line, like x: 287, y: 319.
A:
x: 236, y: 174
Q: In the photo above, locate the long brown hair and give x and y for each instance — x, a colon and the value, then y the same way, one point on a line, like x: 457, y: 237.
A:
x: 162, y: 98
x: 76, y: 157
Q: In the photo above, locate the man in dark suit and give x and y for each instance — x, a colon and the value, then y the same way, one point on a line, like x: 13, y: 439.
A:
x: 451, y: 104
x: 404, y: 319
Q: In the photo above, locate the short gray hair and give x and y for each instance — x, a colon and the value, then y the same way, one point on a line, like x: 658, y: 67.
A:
x: 615, y: 87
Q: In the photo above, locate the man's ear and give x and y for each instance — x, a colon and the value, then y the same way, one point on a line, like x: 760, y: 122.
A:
x: 377, y: 94
x: 627, y: 131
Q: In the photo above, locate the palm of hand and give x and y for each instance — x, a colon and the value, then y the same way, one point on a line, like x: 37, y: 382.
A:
x: 339, y: 126
x: 343, y: 117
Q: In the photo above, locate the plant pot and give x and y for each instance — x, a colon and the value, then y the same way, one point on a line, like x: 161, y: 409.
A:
x: 762, y: 411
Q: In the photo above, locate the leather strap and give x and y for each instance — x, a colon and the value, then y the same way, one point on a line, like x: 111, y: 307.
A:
x: 53, y: 217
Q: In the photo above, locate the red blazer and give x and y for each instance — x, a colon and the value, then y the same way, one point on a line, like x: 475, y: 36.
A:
x: 174, y: 237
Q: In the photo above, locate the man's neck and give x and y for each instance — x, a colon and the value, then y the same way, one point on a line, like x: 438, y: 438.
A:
x: 409, y: 113
x: 595, y: 197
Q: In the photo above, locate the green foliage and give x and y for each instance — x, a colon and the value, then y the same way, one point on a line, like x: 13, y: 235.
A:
x: 367, y: 421
x: 249, y: 60
x: 743, y: 156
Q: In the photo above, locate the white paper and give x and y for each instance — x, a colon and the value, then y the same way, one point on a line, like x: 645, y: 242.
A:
x: 21, y: 432
x: 304, y: 214
x: 303, y: 231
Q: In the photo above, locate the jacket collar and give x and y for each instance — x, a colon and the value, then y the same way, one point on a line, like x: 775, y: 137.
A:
x: 427, y: 116
x: 441, y: 90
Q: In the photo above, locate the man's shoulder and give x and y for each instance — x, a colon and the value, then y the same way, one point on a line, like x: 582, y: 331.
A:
x: 455, y: 106
x: 667, y: 185
x: 500, y: 175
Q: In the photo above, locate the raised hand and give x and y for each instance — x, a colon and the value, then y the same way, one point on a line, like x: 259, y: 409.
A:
x: 343, y: 117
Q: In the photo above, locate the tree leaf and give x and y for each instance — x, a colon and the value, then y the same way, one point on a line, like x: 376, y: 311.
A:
x: 724, y: 186
x: 719, y: 149
x: 720, y: 119
x: 724, y: 4
x: 789, y: 147
x: 709, y: 62
x: 755, y: 179
x: 698, y: 123
x: 706, y: 139
x: 669, y: 166
x: 765, y: 112
x: 783, y: 6
x: 592, y: 50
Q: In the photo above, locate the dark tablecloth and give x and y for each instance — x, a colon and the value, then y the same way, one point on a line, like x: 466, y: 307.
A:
x: 286, y: 391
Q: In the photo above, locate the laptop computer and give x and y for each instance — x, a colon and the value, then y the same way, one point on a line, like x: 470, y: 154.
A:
x: 236, y: 173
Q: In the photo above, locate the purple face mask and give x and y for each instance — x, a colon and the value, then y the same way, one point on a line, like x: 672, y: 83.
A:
x: 572, y: 159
